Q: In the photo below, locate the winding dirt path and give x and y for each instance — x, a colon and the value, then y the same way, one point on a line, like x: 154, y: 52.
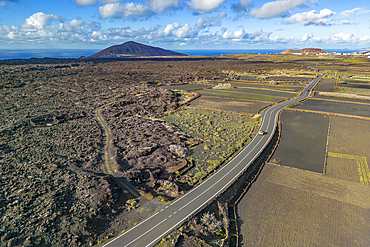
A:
x: 108, y: 166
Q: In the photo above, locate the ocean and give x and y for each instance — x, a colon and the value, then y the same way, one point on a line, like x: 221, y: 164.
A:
x: 76, y: 53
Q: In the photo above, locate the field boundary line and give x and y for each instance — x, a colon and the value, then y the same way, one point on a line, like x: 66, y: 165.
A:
x: 272, y: 90
x: 344, y: 95
x: 262, y: 83
x: 326, y: 147
x: 225, y: 91
x: 237, y: 99
x: 362, y: 166
x: 329, y: 113
x: 341, y: 101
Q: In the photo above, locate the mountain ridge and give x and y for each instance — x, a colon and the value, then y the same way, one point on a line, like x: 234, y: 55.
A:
x: 304, y: 51
x: 133, y: 49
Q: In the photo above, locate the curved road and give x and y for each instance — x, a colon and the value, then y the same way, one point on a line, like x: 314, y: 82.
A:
x: 154, y: 228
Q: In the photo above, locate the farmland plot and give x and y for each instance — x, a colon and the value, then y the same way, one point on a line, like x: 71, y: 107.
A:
x: 333, y: 98
x: 292, y: 207
x: 240, y: 95
x: 303, y: 141
x: 274, y: 93
x: 281, y: 87
x: 326, y: 85
x: 353, y: 109
x: 348, y: 150
x: 187, y: 87
x: 223, y: 104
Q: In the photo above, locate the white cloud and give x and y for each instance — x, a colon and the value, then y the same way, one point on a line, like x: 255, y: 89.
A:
x: 3, y: 3
x: 365, y: 39
x: 345, y: 22
x: 277, y: 8
x: 83, y: 3
x: 311, y: 18
x: 242, y: 6
x: 204, y: 6
x: 234, y: 35
x: 339, y: 38
x: 208, y: 21
x: 170, y: 27
x: 342, y: 37
x: 54, y: 30
x: 39, y: 20
x: 258, y: 36
x: 183, y: 32
x: 347, y: 13
x: 159, y: 6
x: 306, y: 37
x: 126, y: 11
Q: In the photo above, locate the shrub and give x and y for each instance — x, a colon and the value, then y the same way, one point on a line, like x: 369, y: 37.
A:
x: 211, y: 223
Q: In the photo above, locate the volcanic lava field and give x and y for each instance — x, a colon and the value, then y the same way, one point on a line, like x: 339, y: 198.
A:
x: 166, y: 125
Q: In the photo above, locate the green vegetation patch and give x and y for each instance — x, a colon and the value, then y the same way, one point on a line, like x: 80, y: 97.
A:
x: 221, y: 135
x: 362, y: 91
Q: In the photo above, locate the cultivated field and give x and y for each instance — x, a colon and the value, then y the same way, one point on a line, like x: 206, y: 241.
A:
x: 349, y: 150
x: 281, y: 87
x: 240, y: 95
x: 334, y: 107
x: 186, y: 87
x: 274, y: 93
x: 354, y: 90
x: 303, y: 141
x: 224, y: 104
x: 332, y: 98
x: 326, y: 85
x: 293, y: 207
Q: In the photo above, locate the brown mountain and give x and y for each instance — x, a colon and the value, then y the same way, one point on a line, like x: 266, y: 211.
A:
x: 304, y: 51
x: 133, y: 49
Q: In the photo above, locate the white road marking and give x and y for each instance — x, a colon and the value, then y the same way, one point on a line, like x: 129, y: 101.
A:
x: 146, y: 232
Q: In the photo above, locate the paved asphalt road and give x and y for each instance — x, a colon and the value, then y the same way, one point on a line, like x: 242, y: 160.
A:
x: 154, y: 228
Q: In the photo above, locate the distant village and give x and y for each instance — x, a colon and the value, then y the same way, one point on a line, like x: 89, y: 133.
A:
x: 357, y: 53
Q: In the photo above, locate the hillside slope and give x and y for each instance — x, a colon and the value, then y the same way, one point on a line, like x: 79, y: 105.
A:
x: 304, y: 51
x: 134, y: 49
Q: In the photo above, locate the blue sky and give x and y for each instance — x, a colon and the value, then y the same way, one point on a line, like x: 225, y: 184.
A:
x: 185, y: 24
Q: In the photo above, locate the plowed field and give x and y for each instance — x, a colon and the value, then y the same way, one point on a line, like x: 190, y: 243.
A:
x: 326, y: 85
x: 239, y: 106
x: 349, y: 151
x: 291, y: 207
x: 335, y: 107
x: 303, y: 141
x: 332, y: 98
x: 240, y: 95
x: 186, y: 87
